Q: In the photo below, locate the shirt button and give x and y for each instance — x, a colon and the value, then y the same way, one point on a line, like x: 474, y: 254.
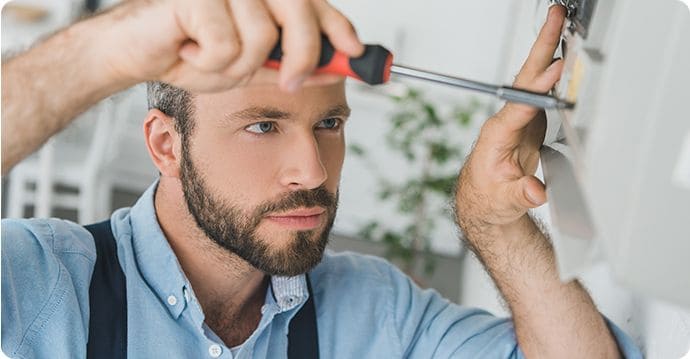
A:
x: 215, y: 351
x: 172, y: 300
x: 185, y: 292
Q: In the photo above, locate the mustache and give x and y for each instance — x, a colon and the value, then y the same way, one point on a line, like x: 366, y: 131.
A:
x: 319, y: 196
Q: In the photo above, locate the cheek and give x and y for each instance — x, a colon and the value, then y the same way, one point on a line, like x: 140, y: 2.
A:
x: 332, y: 156
x: 238, y: 170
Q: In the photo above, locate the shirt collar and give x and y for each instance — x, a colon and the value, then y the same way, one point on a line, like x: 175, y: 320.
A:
x: 155, y: 258
x: 289, y: 292
x: 162, y: 271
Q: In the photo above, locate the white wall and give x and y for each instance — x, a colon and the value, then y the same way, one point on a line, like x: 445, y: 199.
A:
x: 483, y: 40
x: 463, y: 38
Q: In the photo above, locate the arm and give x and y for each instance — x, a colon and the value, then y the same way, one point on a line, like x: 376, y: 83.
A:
x: 495, y: 189
x: 47, y: 87
x: 201, y: 46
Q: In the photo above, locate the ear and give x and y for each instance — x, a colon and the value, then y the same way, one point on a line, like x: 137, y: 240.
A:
x: 163, y: 143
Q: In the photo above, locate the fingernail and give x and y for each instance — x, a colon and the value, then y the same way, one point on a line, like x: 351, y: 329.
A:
x: 532, y: 199
x: 555, y: 59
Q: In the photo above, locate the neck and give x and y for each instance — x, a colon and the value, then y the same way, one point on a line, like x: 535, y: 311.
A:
x: 230, y: 290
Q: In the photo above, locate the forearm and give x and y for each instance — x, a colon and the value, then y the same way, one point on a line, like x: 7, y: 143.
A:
x: 552, y: 319
x: 45, y: 88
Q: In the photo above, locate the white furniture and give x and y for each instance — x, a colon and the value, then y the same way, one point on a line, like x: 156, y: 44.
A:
x: 80, y: 168
x: 617, y: 166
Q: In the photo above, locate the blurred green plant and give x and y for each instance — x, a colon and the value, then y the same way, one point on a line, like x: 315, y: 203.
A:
x: 427, y: 139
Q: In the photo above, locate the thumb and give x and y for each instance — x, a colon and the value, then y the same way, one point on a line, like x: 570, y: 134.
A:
x: 528, y: 192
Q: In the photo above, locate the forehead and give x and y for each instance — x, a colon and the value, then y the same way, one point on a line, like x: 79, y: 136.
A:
x: 316, y: 97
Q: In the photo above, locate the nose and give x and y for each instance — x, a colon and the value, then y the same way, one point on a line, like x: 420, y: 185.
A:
x: 303, y: 167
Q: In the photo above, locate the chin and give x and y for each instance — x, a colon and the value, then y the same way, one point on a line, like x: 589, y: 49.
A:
x: 296, y: 252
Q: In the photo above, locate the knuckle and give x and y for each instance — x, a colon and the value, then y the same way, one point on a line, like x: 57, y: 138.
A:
x: 491, y: 123
x: 241, y: 70
x: 221, y: 41
x: 226, y: 49
x: 266, y: 36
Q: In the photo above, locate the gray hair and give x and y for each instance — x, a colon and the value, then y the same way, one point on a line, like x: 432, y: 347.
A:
x: 174, y: 102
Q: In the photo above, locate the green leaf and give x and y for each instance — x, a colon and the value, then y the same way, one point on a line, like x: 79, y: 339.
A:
x: 440, y: 152
x: 429, y: 263
x: 441, y: 184
x: 431, y: 114
x: 401, y: 118
x: 367, y: 232
x: 357, y: 150
x: 385, y: 193
x: 411, y: 196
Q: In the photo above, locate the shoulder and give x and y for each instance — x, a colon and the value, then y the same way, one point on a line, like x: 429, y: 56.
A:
x: 356, y: 273
x: 46, y: 271
x: 357, y: 266
x: 37, y: 238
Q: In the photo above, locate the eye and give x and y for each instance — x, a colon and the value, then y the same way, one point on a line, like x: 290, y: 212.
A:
x: 261, y: 127
x: 329, y: 123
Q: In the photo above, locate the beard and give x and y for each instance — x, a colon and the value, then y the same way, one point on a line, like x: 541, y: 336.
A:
x: 229, y: 227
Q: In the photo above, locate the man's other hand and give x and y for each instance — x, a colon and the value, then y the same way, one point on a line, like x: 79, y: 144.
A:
x: 497, y: 184
x: 213, y: 45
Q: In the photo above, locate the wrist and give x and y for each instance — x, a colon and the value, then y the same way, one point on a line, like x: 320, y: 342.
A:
x: 502, y: 239
x: 98, y: 53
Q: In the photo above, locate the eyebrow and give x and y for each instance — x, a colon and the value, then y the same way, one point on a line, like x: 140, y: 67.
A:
x: 259, y: 112
x: 272, y: 113
x: 337, y: 110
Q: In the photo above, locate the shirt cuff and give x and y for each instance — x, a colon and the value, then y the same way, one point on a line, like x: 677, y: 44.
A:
x: 626, y: 345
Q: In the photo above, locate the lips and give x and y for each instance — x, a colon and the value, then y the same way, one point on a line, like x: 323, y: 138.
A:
x: 299, y: 219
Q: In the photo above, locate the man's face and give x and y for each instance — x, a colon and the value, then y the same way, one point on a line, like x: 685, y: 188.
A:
x: 260, y: 172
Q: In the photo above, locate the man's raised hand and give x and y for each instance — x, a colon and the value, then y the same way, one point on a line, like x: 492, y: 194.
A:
x: 497, y: 184
x: 213, y: 45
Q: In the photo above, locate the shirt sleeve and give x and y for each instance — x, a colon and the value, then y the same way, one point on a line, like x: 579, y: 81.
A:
x: 430, y: 326
x: 46, y: 271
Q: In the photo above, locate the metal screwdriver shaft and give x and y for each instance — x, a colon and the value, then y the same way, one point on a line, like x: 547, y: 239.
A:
x: 504, y: 92
x: 376, y: 65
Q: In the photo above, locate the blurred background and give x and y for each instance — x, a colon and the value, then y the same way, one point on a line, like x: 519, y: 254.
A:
x: 406, y: 142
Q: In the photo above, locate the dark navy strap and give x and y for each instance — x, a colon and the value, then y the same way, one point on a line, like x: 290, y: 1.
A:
x: 107, y: 299
x: 303, y: 337
x: 108, y: 306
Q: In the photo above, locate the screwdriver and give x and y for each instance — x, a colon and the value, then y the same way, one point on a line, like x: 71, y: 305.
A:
x: 376, y: 65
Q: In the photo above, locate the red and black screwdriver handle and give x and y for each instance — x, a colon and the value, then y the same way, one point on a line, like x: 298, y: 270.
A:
x: 373, y: 67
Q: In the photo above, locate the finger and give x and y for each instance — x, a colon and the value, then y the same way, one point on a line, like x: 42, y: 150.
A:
x: 301, y: 41
x: 544, y: 47
x: 338, y: 29
x: 516, y: 116
x: 214, y: 43
x: 258, y: 35
x: 187, y: 76
x: 527, y: 192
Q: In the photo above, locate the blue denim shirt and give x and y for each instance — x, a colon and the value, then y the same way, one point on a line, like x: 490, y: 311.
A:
x: 365, y: 307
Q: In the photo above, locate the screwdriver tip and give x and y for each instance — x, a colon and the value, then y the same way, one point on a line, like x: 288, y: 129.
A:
x: 565, y: 105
